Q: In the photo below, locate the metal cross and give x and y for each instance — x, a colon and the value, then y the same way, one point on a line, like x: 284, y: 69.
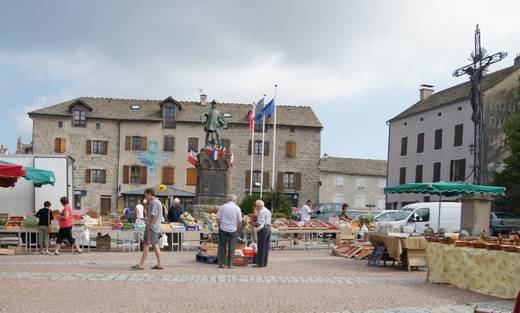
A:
x: 476, y: 70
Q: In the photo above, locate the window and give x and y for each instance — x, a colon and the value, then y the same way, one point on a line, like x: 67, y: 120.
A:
x: 191, y: 176
x: 436, y: 172
x: 77, y: 202
x: 402, y: 175
x: 421, y: 215
x: 258, y: 147
x: 492, y: 122
x: 193, y: 144
x: 257, y: 177
x: 98, y: 126
x: 169, y: 143
x: 288, y: 181
x: 99, y: 147
x: 439, y: 114
x: 135, y: 174
x: 419, y: 173
x: 290, y: 149
x: 404, y: 146
x: 458, y: 170
x: 60, y: 124
x: 98, y: 176
x: 438, y: 139
x: 291, y: 129
x: 338, y: 182
x: 136, y: 143
x: 79, y: 117
x: 169, y: 113
x: 361, y: 183
x: 135, y: 107
x: 420, y: 143
x: 458, y: 137
x: 167, y: 175
x: 360, y: 201
x: 59, y: 145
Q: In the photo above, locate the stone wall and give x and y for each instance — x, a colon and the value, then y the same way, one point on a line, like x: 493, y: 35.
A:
x: 45, y: 130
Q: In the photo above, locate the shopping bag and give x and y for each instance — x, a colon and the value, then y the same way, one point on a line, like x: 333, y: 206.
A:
x: 84, y: 236
x: 162, y: 241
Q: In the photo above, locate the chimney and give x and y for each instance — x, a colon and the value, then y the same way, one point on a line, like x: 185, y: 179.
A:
x: 516, y: 64
x: 203, y: 98
x: 425, y: 91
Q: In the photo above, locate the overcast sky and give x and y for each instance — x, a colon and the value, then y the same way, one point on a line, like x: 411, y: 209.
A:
x: 356, y: 63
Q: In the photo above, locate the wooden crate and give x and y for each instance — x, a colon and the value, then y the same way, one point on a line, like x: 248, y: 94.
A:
x: 103, y: 243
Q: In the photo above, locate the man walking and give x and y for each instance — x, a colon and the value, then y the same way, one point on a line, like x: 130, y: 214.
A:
x: 263, y: 227
x: 154, y: 218
x: 229, y: 219
x: 306, y: 211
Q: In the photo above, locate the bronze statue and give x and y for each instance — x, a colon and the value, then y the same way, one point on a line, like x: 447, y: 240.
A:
x: 213, y: 123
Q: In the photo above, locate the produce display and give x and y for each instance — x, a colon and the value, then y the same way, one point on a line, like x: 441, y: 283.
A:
x: 30, y: 222
x: 509, y: 245
x: 14, y: 221
x: 313, y: 224
x: 211, y: 221
x: 188, y: 219
x: 283, y: 224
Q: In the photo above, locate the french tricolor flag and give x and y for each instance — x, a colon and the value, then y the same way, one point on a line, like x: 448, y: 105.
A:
x: 192, y: 158
x: 214, y: 154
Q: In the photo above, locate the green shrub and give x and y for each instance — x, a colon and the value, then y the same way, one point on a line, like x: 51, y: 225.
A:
x: 276, y: 201
x: 366, y: 219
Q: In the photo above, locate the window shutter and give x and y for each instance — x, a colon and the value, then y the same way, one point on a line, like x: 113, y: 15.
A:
x: 293, y: 149
x: 89, y: 146
x: 57, y: 145
x: 128, y: 143
x: 104, y: 176
x: 62, y: 145
x: 249, y: 147
x: 105, y: 147
x: 298, y: 181
x: 266, y: 148
x: 87, y: 176
x: 167, y: 175
x: 144, y: 143
x: 126, y: 174
x: 248, y: 179
x: 267, y: 182
x: 191, y: 176
x: 279, y: 183
x: 144, y: 174
x: 288, y: 149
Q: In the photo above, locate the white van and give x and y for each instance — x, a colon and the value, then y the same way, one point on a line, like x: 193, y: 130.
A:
x: 417, y: 217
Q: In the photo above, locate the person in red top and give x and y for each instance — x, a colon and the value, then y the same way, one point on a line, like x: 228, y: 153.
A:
x: 66, y: 224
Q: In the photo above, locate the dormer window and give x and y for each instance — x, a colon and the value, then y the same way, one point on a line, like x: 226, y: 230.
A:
x: 169, y: 114
x: 79, y: 117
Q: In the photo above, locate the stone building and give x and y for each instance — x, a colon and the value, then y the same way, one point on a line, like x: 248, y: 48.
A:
x: 357, y: 182
x: 432, y: 140
x: 122, y: 145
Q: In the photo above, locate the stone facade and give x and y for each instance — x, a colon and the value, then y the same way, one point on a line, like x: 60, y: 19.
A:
x: 47, y: 128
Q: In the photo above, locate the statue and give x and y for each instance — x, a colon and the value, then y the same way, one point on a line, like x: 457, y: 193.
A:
x: 213, y: 123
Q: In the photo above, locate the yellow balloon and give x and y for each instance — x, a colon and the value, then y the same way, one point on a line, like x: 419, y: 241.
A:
x: 161, y: 188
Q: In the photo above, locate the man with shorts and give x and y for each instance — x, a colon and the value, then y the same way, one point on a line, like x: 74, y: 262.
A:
x: 154, y: 218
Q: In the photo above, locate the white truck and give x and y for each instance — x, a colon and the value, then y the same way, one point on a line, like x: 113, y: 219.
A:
x: 417, y: 217
x: 24, y: 198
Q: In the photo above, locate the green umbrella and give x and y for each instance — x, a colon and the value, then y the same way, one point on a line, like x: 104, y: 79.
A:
x: 37, y: 176
x: 445, y: 189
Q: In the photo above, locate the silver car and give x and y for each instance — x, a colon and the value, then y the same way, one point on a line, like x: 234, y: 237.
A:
x: 504, y: 222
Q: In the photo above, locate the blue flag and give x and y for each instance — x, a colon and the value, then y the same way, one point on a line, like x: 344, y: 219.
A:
x: 258, y: 109
x: 269, y: 108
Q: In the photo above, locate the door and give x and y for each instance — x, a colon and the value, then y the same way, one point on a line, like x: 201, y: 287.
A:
x: 420, y: 219
x: 106, y: 205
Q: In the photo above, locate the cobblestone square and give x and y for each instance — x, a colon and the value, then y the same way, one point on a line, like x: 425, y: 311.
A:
x: 295, y: 281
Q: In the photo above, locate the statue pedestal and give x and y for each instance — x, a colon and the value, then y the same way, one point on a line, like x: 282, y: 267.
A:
x: 212, y: 181
x: 475, y: 215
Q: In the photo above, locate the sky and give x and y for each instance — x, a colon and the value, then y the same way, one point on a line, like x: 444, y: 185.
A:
x: 356, y: 63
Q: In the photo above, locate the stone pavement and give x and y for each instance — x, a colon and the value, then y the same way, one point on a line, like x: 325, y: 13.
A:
x: 295, y: 281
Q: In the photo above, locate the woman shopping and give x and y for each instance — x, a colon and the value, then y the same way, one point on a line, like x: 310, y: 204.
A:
x: 66, y: 223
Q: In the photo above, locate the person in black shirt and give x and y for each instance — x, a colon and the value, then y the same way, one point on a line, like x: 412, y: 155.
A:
x: 174, y: 215
x: 45, y: 217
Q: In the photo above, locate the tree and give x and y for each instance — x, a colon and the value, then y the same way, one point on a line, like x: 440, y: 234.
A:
x: 276, y: 201
x: 510, y: 176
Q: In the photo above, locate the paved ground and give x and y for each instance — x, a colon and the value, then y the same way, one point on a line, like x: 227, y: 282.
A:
x: 295, y: 281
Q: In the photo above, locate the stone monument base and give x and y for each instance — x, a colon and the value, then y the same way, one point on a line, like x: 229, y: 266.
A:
x: 200, y: 208
x: 475, y: 215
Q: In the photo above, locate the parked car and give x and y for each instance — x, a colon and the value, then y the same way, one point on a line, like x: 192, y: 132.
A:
x: 328, y: 207
x: 296, y: 214
x: 419, y: 216
x: 504, y: 222
x: 386, y: 215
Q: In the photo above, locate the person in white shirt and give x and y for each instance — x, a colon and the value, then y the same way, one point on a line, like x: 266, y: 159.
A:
x: 306, y: 211
x: 139, y: 212
x: 263, y: 227
x: 229, y: 219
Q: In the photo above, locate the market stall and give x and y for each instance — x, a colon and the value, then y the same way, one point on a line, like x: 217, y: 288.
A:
x: 477, y: 268
x: 409, y: 251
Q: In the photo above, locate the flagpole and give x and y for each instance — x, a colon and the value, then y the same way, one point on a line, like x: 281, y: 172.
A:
x: 252, y: 151
x: 274, y: 139
x: 263, y: 153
